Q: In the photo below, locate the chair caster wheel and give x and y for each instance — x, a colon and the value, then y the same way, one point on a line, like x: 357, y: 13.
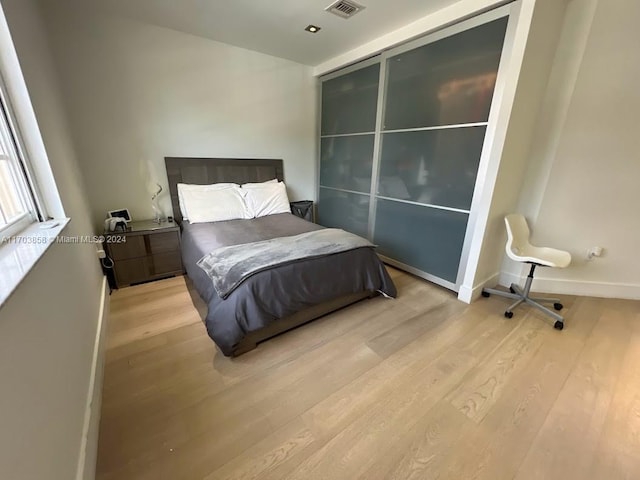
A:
x: 558, y: 306
x: 558, y: 325
x: 512, y: 290
x: 486, y: 294
x: 508, y: 314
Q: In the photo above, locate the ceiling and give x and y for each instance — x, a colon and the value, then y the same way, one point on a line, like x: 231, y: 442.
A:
x: 274, y: 27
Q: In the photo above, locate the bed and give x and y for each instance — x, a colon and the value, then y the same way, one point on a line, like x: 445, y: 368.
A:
x: 279, y: 298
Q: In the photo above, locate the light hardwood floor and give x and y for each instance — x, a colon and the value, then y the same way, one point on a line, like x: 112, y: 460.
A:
x: 421, y: 387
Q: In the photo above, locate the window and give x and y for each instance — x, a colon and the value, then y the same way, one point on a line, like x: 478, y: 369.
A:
x: 17, y: 206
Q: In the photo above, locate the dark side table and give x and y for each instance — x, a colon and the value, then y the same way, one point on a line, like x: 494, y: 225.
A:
x: 145, y: 251
x: 303, y: 209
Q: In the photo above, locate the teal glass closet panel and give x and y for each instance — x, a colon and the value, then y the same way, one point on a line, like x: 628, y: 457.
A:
x: 436, y: 109
x: 424, y: 238
x: 434, y: 167
x: 346, y: 162
x: 349, y: 211
x: 349, y: 108
x: 447, y: 82
x: 349, y: 102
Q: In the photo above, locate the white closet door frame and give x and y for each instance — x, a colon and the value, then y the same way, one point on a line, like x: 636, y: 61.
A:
x: 520, y: 18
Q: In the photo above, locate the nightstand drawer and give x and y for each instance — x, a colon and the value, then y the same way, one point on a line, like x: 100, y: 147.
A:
x: 133, y: 248
x: 132, y: 271
x: 163, y: 242
x: 161, y: 263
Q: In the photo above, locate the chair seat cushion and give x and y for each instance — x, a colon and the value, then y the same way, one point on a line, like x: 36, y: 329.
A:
x: 549, y: 257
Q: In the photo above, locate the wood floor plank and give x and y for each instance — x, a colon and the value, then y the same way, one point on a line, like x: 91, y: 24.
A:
x: 484, y: 383
x: 349, y: 453
x: 496, y: 447
x: 349, y: 403
x: 165, y: 321
x: 232, y: 397
x: 344, y: 406
x: 356, y: 319
x: 416, y: 452
x: 394, y: 339
x: 236, y: 414
x: 618, y: 451
x: 418, y: 387
x: 266, y: 456
x: 202, y: 405
x: 419, y: 295
x: 566, y: 443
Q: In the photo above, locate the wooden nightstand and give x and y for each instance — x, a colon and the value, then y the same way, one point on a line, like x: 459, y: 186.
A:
x: 303, y: 209
x: 146, y: 251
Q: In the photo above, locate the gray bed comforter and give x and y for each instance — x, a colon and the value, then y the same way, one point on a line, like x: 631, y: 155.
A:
x: 229, y: 266
x: 279, y: 291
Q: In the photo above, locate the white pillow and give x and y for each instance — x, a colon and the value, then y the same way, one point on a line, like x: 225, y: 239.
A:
x: 182, y: 187
x: 266, y: 198
x: 249, y: 185
x: 215, y: 204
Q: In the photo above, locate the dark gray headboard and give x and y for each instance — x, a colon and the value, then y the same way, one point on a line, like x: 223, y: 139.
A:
x: 204, y: 171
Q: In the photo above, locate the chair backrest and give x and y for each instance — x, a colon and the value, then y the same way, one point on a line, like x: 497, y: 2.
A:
x: 517, y: 235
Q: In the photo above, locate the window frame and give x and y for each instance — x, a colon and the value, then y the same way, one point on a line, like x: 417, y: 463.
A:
x: 18, y: 159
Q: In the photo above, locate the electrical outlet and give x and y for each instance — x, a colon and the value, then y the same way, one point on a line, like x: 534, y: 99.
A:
x: 594, y: 252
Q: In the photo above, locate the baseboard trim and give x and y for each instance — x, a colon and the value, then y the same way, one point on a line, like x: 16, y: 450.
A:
x: 507, y: 278
x: 576, y: 287
x: 467, y: 294
x: 89, y: 442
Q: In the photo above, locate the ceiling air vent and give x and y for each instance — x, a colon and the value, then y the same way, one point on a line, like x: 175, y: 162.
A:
x: 344, y: 8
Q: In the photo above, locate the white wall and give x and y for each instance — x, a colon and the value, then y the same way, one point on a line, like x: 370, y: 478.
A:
x: 585, y: 165
x: 137, y: 93
x: 48, y: 326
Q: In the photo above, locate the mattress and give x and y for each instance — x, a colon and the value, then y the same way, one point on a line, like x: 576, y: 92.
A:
x: 280, y: 291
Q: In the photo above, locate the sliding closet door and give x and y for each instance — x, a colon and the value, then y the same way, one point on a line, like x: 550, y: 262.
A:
x: 436, y: 108
x: 399, y: 159
x: 349, y: 105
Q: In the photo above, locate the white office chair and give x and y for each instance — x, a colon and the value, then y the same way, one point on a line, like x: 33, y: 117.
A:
x: 519, y: 249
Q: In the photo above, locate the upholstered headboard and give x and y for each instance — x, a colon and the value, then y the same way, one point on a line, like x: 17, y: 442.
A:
x: 204, y: 171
